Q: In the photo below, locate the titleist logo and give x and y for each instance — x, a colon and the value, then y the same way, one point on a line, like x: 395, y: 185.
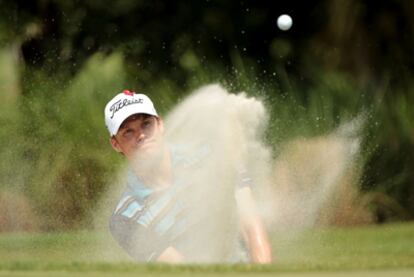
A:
x: 120, y: 104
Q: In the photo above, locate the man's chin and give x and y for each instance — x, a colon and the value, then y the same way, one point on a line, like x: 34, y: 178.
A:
x: 147, y: 153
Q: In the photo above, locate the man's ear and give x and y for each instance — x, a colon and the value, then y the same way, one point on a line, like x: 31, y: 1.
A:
x: 161, y: 124
x: 115, y: 145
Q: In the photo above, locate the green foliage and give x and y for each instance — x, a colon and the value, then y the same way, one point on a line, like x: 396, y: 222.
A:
x: 388, y: 170
x: 61, y: 143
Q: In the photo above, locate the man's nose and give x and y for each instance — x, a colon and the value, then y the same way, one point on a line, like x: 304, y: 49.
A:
x: 140, y: 136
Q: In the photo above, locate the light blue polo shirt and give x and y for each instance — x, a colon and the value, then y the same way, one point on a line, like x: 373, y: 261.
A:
x: 146, y: 221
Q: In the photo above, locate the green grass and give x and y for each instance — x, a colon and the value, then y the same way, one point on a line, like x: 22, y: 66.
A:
x: 372, y: 247
x: 378, y: 248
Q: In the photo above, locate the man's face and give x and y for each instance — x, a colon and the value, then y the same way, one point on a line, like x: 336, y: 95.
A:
x: 140, y: 135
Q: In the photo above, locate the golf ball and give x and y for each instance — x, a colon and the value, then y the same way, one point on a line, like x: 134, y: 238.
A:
x: 284, y: 22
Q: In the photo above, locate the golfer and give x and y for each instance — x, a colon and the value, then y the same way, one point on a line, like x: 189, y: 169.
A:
x: 153, y: 221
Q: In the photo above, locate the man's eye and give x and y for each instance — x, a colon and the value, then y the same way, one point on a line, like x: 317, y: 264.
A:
x: 127, y: 132
x: 146, y: 124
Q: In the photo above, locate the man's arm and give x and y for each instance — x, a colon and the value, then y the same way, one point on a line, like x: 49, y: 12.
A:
x: 253, y: 230
x: 140, y: 243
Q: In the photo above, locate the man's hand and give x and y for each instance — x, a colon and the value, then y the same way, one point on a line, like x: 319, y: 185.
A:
x: 171, y: 255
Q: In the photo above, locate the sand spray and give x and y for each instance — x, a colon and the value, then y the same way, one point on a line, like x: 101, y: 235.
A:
x: 223, y: 133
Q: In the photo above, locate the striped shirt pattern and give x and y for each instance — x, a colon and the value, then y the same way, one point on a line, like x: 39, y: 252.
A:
x: 145, y: 222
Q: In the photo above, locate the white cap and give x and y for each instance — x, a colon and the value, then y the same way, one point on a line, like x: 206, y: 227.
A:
x: 124, y: 105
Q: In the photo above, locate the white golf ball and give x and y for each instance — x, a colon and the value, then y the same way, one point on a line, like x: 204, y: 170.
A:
x: 284, y: 22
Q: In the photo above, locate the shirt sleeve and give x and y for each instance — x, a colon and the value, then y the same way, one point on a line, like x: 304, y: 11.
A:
x: 140, y: 242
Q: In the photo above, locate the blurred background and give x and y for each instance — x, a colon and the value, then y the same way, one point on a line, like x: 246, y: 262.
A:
x: 61, y: 61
